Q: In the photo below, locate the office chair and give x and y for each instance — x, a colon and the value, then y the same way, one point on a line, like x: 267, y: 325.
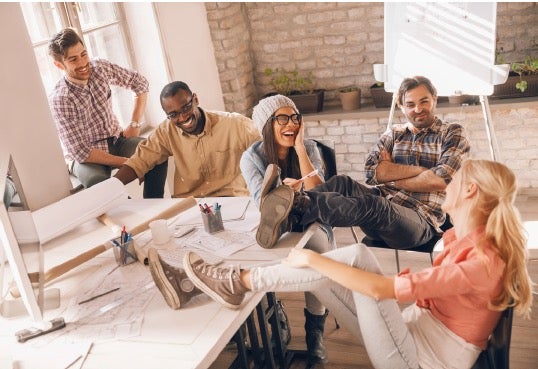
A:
x: 497, y: 353
x: 328, y: 157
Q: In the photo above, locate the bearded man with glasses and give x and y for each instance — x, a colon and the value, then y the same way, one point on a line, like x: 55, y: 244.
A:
x: 206, y: 147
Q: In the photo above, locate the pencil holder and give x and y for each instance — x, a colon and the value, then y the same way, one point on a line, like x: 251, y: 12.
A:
x: 213, y: 221
x: 124, y: 252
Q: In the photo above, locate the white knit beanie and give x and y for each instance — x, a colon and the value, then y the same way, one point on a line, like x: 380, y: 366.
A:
x: 266, y: 107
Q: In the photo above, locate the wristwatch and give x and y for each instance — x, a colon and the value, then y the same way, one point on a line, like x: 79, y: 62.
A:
x: 392, y: 184
x: 135, y: 124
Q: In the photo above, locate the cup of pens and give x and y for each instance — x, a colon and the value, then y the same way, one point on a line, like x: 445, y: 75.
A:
x: 211, y: 218
x: 124, y: 250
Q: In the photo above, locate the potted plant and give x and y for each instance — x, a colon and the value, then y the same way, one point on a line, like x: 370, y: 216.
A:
x: 526, y: 69
x: 298, y: 88
x: 522, y: 80
x: 382, y: 98
x: 350, y: 97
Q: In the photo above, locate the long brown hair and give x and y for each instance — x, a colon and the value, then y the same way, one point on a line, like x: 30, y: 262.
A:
x: 290, y: 166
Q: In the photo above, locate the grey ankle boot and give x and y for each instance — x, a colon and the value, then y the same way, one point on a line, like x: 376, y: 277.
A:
x: 314, y: 327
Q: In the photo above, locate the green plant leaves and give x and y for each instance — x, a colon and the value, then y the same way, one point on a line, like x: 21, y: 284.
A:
x: 521, y: 86
x: 528, y: 67
x: 290, y: 82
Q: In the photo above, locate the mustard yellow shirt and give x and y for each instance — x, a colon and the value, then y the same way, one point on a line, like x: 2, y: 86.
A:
x: 205, y: 165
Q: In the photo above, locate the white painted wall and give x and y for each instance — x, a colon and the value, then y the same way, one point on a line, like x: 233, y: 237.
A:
x: 148, y: 54
x: 171, y: 42
x: 27, y: 130
x: 189, y: 50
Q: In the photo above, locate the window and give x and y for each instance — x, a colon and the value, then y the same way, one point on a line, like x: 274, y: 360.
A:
x: 102, y: 28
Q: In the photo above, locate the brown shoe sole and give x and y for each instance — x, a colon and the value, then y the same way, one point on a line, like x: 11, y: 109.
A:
x: 275, y: 209
x: 161, y: 281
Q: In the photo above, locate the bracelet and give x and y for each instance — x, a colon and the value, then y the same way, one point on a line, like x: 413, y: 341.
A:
x: 392, y: 184
x: 135, y: 124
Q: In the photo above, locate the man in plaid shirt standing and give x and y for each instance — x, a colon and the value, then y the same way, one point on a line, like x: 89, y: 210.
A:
x: 92, y: 139
x: 408, y: 170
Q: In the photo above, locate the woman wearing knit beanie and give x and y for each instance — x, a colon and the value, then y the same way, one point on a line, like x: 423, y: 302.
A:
x: 283, y: 145
x: 285, y: 156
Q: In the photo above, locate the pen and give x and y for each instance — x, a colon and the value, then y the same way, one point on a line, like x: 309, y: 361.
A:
x: 311, y: 174
x: 97, y: 296
x: 208, y: 209
x: 123, y: 238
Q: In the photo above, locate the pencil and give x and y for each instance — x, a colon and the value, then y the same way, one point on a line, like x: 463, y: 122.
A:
x: 311, y: 174
x: 97, y: 296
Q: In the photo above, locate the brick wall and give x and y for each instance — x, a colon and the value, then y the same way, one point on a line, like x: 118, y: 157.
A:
x: 517, y: 31
x: 229, y: 27
x: 338, y: 42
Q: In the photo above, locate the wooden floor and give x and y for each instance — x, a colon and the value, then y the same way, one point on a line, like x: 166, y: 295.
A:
x: 344, y: 350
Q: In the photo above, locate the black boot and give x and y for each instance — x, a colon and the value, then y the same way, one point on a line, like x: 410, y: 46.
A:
x: 314, y: 327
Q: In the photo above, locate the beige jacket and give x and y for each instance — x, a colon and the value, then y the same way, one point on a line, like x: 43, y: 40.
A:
x: 205, y: 165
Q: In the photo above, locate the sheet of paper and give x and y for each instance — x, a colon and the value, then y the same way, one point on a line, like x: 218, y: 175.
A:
x: 113, y: 316
x: 223, y: 244
x: 53, y: 356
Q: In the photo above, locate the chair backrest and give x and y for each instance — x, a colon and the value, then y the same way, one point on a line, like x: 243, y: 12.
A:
x: 497, y: 354
x: 328, y: 155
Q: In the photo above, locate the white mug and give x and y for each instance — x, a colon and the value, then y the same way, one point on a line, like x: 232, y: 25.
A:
x: 159, y: 231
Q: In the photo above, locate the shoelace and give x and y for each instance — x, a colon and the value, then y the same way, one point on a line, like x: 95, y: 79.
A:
x: 221, y: 273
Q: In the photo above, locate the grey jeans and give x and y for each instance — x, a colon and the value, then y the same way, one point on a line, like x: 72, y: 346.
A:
x: 379, y: 324
x: 90, y: 173
x: 9, y: 192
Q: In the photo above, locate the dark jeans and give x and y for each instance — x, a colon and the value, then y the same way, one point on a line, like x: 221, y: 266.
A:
x: 90, y: 174
x: 9, y: 192
x: 343, y: 202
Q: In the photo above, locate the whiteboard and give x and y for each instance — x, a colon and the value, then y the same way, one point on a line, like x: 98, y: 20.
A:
x: 452, y: 44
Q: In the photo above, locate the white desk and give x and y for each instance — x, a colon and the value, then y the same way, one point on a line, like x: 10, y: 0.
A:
x: 155, y: 335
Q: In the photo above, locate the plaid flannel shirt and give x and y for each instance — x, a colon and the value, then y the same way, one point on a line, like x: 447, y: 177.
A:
x: 440, y: 148
x: 83, y: 114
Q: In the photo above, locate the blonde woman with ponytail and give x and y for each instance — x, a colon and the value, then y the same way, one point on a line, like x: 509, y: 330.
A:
x: 456, y: 302
x: 491, y: 188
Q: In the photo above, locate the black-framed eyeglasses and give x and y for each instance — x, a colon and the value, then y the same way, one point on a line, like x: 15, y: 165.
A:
x: 186, y: 109
x: 283, y: 119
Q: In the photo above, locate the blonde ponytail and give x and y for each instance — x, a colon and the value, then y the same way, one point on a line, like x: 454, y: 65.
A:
x: 504, y: 230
